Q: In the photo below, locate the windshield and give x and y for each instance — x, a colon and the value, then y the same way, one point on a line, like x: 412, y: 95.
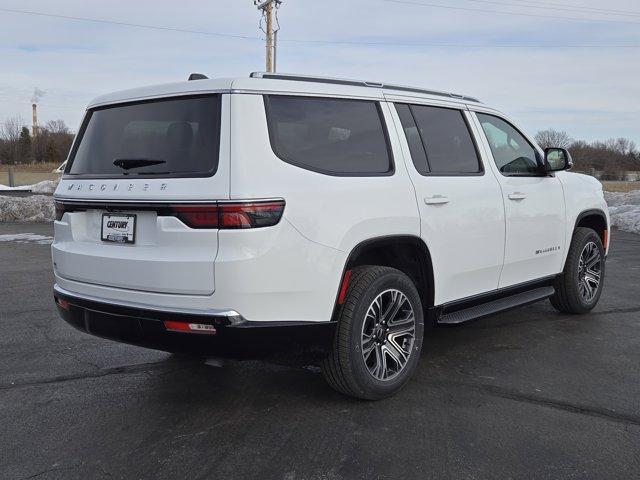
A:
x: 168, y: 137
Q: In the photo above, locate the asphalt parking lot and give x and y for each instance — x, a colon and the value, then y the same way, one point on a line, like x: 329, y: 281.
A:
x: 526, y: 394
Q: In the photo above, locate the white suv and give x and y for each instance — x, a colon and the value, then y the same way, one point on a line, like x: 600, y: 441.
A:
x: 234, y: 216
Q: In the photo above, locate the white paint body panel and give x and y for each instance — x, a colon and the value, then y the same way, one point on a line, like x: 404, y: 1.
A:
x: 534, y: 224
x: 292, y: 271
x: 167, y: 256
x: 338, y: 212
x: 582, y: 193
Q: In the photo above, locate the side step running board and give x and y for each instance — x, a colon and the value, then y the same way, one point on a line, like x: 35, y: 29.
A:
x: 495, y: 306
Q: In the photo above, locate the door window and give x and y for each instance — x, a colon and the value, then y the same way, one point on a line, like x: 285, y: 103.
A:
x: 439, y: 140
x: 513, y: 154
x: 416, y: 148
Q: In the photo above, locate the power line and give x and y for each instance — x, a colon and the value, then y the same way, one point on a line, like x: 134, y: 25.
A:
x: 462, y: 45
x: 321, y: 41
x: 127, y: 24
x: 559, y: 8
x: 580, y: 7
x: 481, y: 10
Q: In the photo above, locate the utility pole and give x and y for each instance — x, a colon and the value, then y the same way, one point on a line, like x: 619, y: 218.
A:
x: 268, y: 9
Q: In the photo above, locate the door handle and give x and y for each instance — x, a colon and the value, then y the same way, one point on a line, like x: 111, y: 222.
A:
x: 517, y: 196
x: 436, y: 200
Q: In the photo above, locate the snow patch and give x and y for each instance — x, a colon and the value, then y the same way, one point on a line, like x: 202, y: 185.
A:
x: 27, y: 238
x: 624, y: 209
x: 35, y: 208
x: 46, y: 186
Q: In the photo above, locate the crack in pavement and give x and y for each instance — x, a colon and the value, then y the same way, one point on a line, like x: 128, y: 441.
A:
x: 125, y: 369
x: 49, y: 470
x: 618, y: 310
x: 573, y: 407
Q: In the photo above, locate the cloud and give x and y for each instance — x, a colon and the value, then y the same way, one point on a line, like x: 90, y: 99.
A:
x: 589, y: 92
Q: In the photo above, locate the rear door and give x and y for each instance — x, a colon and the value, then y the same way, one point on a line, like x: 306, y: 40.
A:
x: 534, y: 202
x: 462, y: 215
x: 133, y: 170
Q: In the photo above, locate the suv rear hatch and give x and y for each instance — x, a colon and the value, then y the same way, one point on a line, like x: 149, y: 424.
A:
x: 137, y: 202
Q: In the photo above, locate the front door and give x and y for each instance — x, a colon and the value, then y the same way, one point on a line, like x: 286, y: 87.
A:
x: 534, y: 204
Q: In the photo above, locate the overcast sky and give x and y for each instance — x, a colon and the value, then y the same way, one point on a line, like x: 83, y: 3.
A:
x: 465, y: 46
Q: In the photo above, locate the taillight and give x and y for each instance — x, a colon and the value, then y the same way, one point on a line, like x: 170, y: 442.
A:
x: 250, y: 214
x: 234, y: 215
x: 197, y: 216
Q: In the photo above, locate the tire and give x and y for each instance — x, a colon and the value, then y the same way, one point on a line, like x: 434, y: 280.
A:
x: 353, y: 367
x: 576, y: 291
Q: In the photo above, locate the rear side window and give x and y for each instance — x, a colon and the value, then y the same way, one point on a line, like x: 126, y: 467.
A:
x: 446, y: 139
x: 331, y: 136
x: 169, y: 137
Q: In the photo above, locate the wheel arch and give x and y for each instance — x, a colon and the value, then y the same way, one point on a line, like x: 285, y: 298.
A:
x: 407, y: 253
x: 596, y: 220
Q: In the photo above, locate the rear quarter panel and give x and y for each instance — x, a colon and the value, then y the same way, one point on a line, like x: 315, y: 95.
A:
x: 334, y: 212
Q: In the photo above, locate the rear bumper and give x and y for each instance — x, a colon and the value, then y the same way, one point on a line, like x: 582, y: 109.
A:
x: 234, y: 337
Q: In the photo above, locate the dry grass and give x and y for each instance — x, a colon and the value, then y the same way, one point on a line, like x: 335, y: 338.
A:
x: 27, y: 178
x: 28, y: 174
x: 621, y: 186
x: 31, y: 167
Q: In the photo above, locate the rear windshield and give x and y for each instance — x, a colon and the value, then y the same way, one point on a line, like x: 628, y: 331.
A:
x: 170, y: 137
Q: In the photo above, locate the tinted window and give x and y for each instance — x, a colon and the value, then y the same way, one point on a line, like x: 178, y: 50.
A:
x: 416, y: 148
x: 165, y: 137
x: 446, y: 139
x: 513, y: 154
x: 328, y: 135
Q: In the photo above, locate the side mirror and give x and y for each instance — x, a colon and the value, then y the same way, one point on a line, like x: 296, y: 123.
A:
x: 556, y: 159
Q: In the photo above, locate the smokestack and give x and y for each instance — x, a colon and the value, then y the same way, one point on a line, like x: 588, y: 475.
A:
x: 35, y: 98
x: 34, y: 127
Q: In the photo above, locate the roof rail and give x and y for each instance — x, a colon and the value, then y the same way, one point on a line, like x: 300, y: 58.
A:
x: 359, y: 83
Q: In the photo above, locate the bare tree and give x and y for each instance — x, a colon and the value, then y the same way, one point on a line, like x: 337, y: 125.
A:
x: 553, y: 138
x: 57, y: 126
x: 10, y: 131
x: 623, y: 146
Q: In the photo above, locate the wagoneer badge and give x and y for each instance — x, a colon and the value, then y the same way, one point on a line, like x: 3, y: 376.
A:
x: 145, y: 187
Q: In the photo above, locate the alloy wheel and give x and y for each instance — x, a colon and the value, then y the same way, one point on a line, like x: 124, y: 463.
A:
x: 589, y: 271
x: 388, y: 334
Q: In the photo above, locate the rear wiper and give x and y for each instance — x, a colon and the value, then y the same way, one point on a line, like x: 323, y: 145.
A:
x: 129, y: 163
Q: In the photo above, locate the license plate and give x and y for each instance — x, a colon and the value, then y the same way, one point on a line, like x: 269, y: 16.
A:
x: 118, y: 228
